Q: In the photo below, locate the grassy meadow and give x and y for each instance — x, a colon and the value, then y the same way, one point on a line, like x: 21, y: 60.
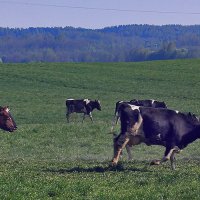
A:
x: 47, y: 158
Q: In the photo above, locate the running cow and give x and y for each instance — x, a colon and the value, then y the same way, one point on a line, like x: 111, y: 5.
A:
x: 85, y: 106
x: 7, y: 122
x: 172, y: 129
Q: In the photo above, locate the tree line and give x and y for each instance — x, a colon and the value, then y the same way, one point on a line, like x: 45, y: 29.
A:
x: 111, y: 44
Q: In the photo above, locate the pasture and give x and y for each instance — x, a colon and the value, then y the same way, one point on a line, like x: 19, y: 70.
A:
x: 47, y: 158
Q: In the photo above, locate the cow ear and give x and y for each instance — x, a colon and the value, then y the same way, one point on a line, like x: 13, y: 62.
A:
x: 190, y: 114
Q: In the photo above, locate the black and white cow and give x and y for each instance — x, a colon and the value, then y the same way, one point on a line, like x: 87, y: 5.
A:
x: 171, y: 129
x: 85, y: 106
x: 146, y: 103
x: 149, y: 103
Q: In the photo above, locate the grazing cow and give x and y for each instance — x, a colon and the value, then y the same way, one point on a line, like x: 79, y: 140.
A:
x: 145, y: 103
x: 85, y: 106
x: 7, y: 122
x: 171, y: 129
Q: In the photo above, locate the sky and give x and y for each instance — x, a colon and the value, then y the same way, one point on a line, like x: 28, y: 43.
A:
x: 96, y: 14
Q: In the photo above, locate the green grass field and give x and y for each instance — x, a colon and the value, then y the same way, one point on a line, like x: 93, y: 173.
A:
x: 47, y: 158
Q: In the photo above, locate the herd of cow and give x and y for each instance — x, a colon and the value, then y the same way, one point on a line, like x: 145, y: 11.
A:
x: 145, y: 121
x: 142, y: 121
x: 154, y: 124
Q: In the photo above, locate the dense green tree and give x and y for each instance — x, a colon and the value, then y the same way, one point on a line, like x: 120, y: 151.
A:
x: 112, y: 44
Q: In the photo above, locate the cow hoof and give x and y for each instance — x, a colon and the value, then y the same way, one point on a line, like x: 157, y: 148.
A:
x: 113, y: 163
x: 155, y: 162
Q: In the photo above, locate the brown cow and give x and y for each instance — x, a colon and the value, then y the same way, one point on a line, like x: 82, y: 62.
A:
x: 7, y: 122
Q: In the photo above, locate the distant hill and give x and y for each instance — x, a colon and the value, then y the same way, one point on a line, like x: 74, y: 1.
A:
x: 111, y: 44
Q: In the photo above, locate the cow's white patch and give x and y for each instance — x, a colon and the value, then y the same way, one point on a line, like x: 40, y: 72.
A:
x: 7, y: 110
x: 177, y: 111
x: 137, y: 128
x: 86, y: 101
x: 152, y: 101
x: 70, y: 99
x: 133, y: 107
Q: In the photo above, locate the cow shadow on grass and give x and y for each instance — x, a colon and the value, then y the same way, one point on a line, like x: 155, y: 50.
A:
x: 96, y: 169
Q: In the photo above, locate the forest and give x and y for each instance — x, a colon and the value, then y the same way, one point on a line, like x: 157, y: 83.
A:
x: 125, y: 43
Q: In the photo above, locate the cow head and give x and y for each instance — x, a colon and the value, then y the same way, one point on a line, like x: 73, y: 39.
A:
x: 131, y: 119
x: 97, y: 105
x: 193, y: 118
x: 117, y: 143
x: 7, y: 122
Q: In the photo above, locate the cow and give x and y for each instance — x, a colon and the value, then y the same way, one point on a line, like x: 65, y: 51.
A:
x: 146, y: 103
x: 188, y: 115
x: 7, y: 122
x: 85, y: 106
x: 149, y: 103
x: 155, y: 126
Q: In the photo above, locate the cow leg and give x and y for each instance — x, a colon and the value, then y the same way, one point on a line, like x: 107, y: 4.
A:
x: 173, y: 161
x: 67, y: 116
x: 84, y: 115
x: 90, y: 115
x: 118, y: 153
x: 168, y: 153
x: 128, y: 149
x: 117, y: 119
x: 114, y: 122
x: 171, y: 157
x: 69, y: 111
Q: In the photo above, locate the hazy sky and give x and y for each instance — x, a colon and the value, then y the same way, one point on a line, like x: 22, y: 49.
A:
x: 97, y: 13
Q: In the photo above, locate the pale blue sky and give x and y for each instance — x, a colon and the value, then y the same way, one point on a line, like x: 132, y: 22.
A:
x: 97, y: 13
